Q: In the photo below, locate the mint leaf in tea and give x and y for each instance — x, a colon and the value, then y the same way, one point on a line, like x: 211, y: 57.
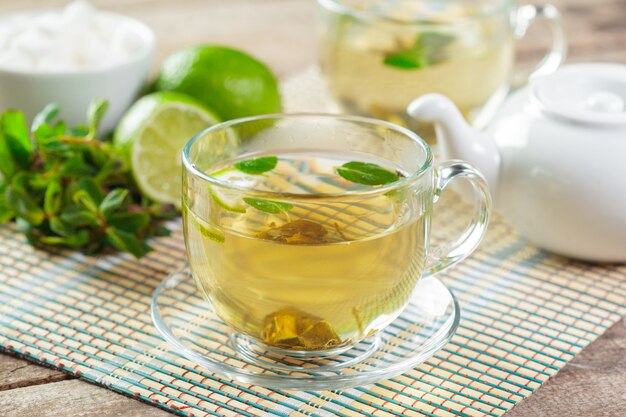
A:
x: 367, y: 173
x: 407, y: 59
x: 428, y: 49
x: 267, y: 205
x: 329, y: 267
x: 257, y: 165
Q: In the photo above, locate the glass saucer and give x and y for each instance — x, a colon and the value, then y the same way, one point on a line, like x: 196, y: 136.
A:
x: 189, y: 324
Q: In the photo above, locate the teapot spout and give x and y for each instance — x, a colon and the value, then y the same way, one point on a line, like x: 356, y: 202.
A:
x: 456, y: 139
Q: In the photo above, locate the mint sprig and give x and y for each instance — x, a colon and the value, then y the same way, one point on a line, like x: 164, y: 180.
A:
x: 366, y: 173
x: 64, y: 187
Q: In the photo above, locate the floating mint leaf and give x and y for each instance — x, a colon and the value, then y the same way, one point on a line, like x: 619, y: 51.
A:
x: 366, y: 173
x: 268, y: 206
x: 257, y: 165
x: 428, y: 49
x: 408, y: 59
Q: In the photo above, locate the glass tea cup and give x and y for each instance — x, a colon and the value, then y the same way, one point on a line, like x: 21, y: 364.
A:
x: 308, y: 233
x: 378, y: 55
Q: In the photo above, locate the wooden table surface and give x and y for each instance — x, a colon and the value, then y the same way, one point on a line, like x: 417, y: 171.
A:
x: 281, y: 33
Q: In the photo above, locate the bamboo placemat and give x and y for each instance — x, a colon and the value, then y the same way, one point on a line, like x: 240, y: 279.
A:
x: 525, y: 314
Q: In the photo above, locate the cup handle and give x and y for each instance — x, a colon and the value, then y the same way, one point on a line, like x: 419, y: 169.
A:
x: 524, y: 17
x: 442, y: 257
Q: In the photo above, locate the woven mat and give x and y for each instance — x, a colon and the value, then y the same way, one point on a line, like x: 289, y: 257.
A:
x: 525, y: 314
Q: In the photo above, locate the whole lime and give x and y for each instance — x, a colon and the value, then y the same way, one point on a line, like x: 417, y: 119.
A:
x: 230, y: 82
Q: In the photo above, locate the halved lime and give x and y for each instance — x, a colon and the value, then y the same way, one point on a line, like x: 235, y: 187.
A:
x: 151, y: 137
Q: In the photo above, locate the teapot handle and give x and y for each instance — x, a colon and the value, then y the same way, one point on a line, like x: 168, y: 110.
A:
x: 442, y: 257
x: 524, y: 17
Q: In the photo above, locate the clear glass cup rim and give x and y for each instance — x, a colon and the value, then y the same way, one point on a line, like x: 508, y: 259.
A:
x: 190, y: 166
x: 338, y: 6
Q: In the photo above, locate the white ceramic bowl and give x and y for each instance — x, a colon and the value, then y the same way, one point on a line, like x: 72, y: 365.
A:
x: 30, y: 91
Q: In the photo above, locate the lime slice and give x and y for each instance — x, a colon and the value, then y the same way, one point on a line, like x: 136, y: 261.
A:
x: 151, y: 137
x: 232, y: 200
x: 204, y: 229
x: 228, y: 202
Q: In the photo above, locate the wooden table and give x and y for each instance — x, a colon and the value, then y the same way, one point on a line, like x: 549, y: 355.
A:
x: 281, y: 33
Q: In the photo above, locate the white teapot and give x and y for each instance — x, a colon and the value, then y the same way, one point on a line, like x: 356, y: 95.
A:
x: 554, y: 156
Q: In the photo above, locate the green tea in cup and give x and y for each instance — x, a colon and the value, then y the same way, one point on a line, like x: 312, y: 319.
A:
x: 309, y: 233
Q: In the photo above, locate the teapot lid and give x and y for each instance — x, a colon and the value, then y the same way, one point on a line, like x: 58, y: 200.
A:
x: 588, y: 93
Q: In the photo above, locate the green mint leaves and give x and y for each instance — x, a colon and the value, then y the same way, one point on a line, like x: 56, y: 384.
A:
x: 408, y: 59
x: 64, y: 187
x: 268, y: 206
x: 257, y: 165
x: 427, y: 50
x: 16, y: 147
x: 366, y: 173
